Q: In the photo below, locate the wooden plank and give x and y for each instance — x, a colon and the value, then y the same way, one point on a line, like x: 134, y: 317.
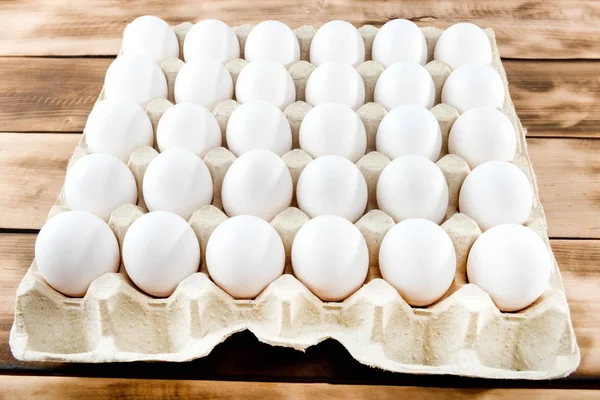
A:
x: 555, y: 98
x: 26, y: 387
x: 559, y: 99
x: 32, y: 173
x: 48, y: 95
x: 569, y: 185
x: 525, y: 29
x: 242, y: 355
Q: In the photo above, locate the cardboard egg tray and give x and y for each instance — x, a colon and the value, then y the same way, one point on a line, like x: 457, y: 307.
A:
x: 462, y: 334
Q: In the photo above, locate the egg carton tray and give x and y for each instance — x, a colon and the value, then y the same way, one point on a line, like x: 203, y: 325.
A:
x: 464, y: 333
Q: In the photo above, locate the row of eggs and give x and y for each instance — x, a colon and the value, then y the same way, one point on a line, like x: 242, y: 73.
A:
x: 207, y: 82
x: 119, y: 127
x: 338, y: 41
x: 329, y: 255
x: 259, y: 183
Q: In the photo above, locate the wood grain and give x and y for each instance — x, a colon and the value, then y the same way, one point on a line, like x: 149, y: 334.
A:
x: 555, y: 98
x: 48, y: 95
x: 32, y: 172
x: 569, y: 185
x: 525, y: 29
x: 22, y: 387
x: 242, y: 355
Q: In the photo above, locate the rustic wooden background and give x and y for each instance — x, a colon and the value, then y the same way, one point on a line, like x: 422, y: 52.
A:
x: 53, y: 56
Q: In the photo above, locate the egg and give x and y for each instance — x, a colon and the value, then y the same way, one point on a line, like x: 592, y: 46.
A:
x: 258, y: 183
x: 399, y: 40
x: 135, y: 77
x: 99, y: 183
x: 265, y: 80
x: 73, y: 249
x: 473, y: 85
x: 188, y: 126
x: 332, y: 185
x: 404, y: 83
x: 244, y: 254
x: 177, y: 181
x: 413, y: 187
x: 335, y: 82
x: 417, y: 258
x: 152, y: 36
x: 409, y: 129
x: 204, y: 81
x: 337, y: 41
x: 211, y: 38
x: 330, y: 257
x: 483, y: 134
x: 333, y: 129
x: 463, y: 43
x: 118, y: 127
x: 258, y: 124
x: 160, y: 249
x: 272, y: 40
x: 494, y: 193
x: 512, y: 264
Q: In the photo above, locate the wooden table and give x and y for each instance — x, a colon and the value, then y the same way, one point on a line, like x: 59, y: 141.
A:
x: 53, y: 56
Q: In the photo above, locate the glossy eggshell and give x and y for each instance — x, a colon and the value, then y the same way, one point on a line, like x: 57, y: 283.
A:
x: 99, y: 183
x: 160, y: 250
x: 512, y: 264
x: 418, y: 259
x: 177, y: 181
x: 73, y: 249
x: 330, y: 257
x: 244, y: 254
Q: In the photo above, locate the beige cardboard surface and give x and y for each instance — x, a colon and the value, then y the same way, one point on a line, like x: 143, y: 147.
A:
x: 462, y: 334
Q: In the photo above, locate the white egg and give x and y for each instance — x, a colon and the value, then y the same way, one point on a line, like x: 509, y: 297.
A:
x: 417, y: 258
x: 413, y: 187
x: 99, y: 183
x: 258, y: 183
x: 177, y: 181
x: 483, y: 134
x: 73, y: 249
x: 204, y: 81
x: 332, y: 185
x: 152, y: 36
x: 512, y: 264
x: 244, y: 254
x: 399, y: 40
x: 265, y: 80
x: 409, y: 129
x: 188, y: 126
x: 272, y: 40
x: 337, y: 41
x: 473, y: 85
x: 333, y: 129
x: 335, y: 82
x: 135, y: 77
x: 404, y: 83
x: 211, y: 38
x: 160, y: 249
x: 463, y: 43
x: 258, y: 124
x: 494, y: 193
x: 118, y: 127
x: 330, y: 257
